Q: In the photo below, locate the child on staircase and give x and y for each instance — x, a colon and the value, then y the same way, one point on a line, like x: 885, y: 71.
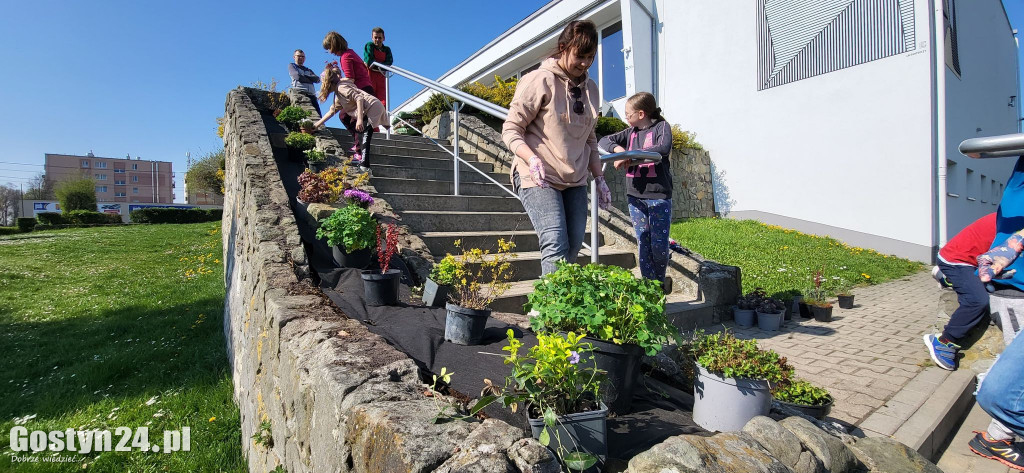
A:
x: 367, y: 111
x: 648, y: 185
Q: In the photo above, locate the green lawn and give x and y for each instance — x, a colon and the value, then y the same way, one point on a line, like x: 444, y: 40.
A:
x: 108, y: 327
x: 779, y: 259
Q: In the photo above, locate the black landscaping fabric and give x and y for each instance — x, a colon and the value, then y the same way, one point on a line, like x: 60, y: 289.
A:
x: 659, y: 410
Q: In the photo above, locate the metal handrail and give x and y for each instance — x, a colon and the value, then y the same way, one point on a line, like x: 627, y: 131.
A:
x: 472, y: 100
x: 636, y: 155
x: 994, y: 146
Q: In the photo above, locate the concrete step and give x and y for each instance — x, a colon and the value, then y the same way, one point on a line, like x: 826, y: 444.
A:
x: 440, y: 221
x: 441, y: 243
x: 461, y: 203
x: 427, y: 163
x: 406, y: 172
x: 378, y: 138
x: 526, y: 265
x: 391, y: 185
x: 436, y: 153
x: 343, y: 133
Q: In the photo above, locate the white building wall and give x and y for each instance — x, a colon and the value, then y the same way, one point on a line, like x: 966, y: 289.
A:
x: 979, y: 99
x: 849, y: 149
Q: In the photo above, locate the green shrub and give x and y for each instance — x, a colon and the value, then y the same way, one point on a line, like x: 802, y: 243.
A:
x: 301, y: 141
x: 26, y: 224
x: 315, y: 156
x: 500, y: 93
x: 291, y: 116
x: 609, y: 125
x: 435, y: 105
x: 50, y: 218
x: 604, y: 302
x: 88, y: 217
x: 445, y: 271
x: 174, y: 215
x: 79, y: 194
x: 351, y: 228
x: 9, y: 230
x: 729, y: 357
x: 682, y: 139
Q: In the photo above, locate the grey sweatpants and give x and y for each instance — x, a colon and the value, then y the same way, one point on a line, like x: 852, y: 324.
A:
x: 1008, y: 313
x: 560, y: 219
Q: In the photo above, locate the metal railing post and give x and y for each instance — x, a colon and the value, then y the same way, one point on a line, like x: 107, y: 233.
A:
x: 387, y: 102
x: 455, y: 145
x: 594, y: 223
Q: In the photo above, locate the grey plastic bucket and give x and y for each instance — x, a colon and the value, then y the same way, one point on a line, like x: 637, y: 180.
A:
x: 727, y: 404
x: 769, y: 322
x: 743, y: 317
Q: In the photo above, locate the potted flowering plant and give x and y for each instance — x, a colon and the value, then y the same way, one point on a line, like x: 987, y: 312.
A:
x: 746, y: 305
x: 623, y: 316
x: 381, y: 287
x: 358, y: 197
x: 817, y: 299
x: 484, y: 277
x: 845, y: 295
x: 804, y: 397
x: 291, y: 117
x: 770, y: 312
x: 439, y: 283
x: 350, y: 232
x: 306, y: 126
x: 733, y: 381
x: 558, y: 385
x: 316, y: 159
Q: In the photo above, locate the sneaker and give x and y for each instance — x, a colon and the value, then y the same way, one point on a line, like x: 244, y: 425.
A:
x: 357, y: 160
x: 1003, y: 451
x: 941, y: 278
x: 943, y: 354
x: 666, y: 286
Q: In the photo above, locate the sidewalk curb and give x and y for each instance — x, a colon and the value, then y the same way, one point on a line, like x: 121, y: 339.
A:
x: 930, y: 425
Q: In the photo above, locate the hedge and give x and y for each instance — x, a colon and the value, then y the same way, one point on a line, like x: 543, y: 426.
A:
x: 50, y: 218
x: 175, y: 215
x: 9, y: 230
x: 26, y: 224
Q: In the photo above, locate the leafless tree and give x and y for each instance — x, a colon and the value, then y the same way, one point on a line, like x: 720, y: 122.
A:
x: 10, y: 204
x: 39, y: 188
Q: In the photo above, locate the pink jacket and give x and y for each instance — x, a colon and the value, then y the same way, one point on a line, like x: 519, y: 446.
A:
x: 354, y: 68
x: 541, y: 117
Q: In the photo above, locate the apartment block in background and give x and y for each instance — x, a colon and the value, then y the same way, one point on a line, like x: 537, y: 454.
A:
x: 117, y: 180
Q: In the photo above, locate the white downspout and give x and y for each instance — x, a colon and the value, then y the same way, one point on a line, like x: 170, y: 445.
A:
x: 939, y: 116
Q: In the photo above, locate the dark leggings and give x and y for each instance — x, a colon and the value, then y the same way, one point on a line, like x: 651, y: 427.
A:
x: 972, y: 297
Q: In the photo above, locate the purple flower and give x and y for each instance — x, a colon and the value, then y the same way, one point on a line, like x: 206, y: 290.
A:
x: 574, y: 358
x: 356, y: 194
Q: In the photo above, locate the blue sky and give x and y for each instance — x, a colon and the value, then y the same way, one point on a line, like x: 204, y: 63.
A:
x: 149, y: 79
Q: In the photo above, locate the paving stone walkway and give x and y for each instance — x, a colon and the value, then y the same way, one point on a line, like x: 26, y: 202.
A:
x: 866, y: 354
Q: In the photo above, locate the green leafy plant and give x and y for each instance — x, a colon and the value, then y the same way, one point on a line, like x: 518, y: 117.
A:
x: 682, y: 139
x: 306, y: 125
x: 557, y: 376
x: 263, y: 436
x: 351, y: 228
x: 300, y: 141
x: 78, y: 194
x: 291, y: 116
x: 484, y: 275
x: 751, y: 300
x: 771, y: 305
x: 724, y: 354
x: 604, y: 302
x: 817, y: 295
x: 315, y: 156
x: 447, y: 270
x: 609, y: 125
x: 802, y: 392
x: 26, y: 224
x: 446, y: 408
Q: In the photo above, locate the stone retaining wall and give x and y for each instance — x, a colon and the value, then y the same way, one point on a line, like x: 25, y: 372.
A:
x: 323, y: 394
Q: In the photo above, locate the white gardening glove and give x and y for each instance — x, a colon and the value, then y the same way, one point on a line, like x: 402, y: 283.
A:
x: 537, y: 171
x: 604, y: 194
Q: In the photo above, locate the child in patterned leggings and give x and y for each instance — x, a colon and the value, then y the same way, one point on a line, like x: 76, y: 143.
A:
x: 648, y: 185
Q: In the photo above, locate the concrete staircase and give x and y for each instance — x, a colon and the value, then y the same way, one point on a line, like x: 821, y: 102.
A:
x: 415, y: 176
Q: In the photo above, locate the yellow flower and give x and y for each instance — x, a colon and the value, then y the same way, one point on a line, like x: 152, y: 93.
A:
x: 865, y: 276
x: 213, y: 419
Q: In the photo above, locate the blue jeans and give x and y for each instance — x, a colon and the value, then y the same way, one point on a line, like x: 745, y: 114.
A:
x: 972, y: 297
x: 559, y: 218
x: 651, y: 221
x: 1002, y: 391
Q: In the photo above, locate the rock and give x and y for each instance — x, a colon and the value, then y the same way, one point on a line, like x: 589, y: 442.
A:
x: 730, y: 452
x: 834, y: 455
x: 530, y: 456
x: 783, y: 444
x: 885, y: 455
x: 484, y: 451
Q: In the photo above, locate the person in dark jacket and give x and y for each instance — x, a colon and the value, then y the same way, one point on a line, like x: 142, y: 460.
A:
x: 648, y: 185
x: 303, y: 77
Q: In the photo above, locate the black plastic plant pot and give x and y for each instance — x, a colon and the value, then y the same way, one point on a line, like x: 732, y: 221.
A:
x: 434, y: 294
x: 622, y: 365
x: 381, y: 289
x: 822, y: 314
x: 846, y: 302
x: 464, y: 326
x: 296, y: 155
x: 805, y: 310
x: 581, y: 432
x: 358, y: 259
x: 317, y: 167
x: 817, y: 412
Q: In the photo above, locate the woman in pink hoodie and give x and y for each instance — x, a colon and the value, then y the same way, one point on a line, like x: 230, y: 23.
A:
x: 550, y: 129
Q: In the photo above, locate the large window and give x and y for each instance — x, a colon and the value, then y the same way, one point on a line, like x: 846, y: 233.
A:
x: 952, y: 51
x: 613, y: 65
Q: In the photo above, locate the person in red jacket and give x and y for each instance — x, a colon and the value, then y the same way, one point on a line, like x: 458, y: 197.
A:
x: 354, y: 68
x: 956, y: 266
